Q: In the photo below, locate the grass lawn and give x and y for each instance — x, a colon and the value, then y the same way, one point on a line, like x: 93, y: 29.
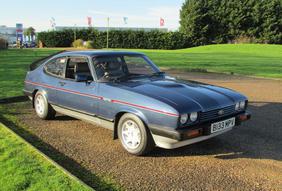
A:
x: 13, y: 66
x: 23, y: 168
x: 248, y: 59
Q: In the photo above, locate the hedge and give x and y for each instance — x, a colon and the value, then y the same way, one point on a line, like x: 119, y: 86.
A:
x: 117, y: 39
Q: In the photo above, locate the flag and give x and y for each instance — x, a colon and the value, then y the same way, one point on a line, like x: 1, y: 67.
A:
x: 125, y: 19
x: 162, y: 22
x: 89, y: 21
x: 53, y: 23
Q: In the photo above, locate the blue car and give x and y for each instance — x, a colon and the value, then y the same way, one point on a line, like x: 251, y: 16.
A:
x: 127, y: 93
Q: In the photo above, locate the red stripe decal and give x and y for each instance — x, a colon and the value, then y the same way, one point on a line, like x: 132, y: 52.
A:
x: 101, y: 98
x: 65, y: 90
x: 147, y: 108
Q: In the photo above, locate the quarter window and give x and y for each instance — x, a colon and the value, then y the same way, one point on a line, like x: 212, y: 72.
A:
x: 56, y: 67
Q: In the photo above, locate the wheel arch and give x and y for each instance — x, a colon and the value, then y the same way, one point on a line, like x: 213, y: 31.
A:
x: 131, y: 111
x: 34, y: 93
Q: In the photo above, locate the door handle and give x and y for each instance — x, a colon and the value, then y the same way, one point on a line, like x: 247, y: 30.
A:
x: 62, y: 83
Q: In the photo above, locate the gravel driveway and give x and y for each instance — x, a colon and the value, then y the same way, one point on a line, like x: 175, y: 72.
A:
x: 247, y: 158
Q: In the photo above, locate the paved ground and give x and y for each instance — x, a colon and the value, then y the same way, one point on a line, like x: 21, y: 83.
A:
x: 247, y: 158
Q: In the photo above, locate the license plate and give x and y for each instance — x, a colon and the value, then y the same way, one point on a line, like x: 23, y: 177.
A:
x: 222, y: 125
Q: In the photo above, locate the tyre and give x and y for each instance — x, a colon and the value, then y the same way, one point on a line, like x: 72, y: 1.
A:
x: 135, y: 137
x: 42, y: 108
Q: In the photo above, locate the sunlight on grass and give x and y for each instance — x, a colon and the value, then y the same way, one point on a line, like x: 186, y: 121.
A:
x: 22, y: 168
x: 260, y: 60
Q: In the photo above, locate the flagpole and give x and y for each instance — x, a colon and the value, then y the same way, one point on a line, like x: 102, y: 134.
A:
x: 108, y: 24
x: 74, y: 32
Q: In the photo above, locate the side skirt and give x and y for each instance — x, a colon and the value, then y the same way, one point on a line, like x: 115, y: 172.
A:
x: 85, y: 117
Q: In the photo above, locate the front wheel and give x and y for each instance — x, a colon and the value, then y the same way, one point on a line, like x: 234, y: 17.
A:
x: 134, y: 136
x: 42, y: 108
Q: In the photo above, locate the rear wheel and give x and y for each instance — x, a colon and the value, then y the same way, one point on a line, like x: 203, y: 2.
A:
x: 42, y: 108
x: 134, y: 136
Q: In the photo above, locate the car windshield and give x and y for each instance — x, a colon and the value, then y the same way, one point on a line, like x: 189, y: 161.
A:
x: 123, y: 67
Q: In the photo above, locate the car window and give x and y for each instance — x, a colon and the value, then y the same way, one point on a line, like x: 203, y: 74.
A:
x: 109, y: 65
x: 56, y: 67
x: 121, y: 66
x: 138, y: 65
x: 78, y: 66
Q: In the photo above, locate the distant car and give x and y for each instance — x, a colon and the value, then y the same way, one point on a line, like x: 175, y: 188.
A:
x: 127, y: 93
x: 29, y: 44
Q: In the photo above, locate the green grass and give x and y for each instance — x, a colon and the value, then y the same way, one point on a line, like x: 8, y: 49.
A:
x: 23, y: 168
x: 247, y: 59
x: 13, y: 66
x: 259, y: 60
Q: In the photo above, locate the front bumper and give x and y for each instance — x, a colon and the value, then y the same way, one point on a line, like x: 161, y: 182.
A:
x: 171, y: 138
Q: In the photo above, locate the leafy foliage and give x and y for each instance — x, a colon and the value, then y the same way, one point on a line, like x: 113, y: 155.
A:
x: 77, y: 43
x: 221, y: 21
x: 117, y: 39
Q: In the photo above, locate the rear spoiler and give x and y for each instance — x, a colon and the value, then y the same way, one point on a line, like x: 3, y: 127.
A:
x: 40, y: 61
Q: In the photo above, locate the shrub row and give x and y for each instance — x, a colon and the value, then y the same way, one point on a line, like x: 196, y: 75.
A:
x: 117, y: 39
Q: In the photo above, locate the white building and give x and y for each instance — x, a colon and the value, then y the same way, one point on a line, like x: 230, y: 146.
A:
x: 8, y: 33
x: 103, y: 29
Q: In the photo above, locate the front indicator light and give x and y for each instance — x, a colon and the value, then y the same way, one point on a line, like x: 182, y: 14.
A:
x: 194, y: 133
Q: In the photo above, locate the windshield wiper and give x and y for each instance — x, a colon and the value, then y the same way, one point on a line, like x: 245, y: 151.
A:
x: 157, y: 74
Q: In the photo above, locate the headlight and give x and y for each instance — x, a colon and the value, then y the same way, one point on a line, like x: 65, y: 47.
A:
x: 237, y: 106
x: 193, y: 116
x: 242, y: 104
x: 183, y: 118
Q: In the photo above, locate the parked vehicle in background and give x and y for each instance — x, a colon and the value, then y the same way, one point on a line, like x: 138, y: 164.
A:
x: 29, y: 45
x: 127, y: 93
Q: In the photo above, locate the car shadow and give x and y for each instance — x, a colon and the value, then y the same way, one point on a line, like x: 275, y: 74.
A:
x: 259, y: 138
x: 64, y: 118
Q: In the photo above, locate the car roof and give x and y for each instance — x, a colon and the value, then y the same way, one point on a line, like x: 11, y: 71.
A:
x: 98, y: 53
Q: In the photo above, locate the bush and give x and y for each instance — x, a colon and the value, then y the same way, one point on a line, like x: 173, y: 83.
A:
x: 117, y: 39
x: 89, y: 44
x: 3, y: 43
x: 78, y: 43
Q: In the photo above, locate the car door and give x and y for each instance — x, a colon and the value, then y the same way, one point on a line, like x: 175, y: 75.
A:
x: 54, y: 71
x: 78, y: 95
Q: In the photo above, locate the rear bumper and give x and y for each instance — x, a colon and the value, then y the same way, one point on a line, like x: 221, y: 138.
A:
x: 171, y: 138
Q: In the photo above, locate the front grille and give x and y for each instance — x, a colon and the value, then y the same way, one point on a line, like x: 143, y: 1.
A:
x: 213, y: 114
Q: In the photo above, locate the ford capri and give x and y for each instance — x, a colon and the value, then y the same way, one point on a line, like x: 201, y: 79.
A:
x: 127, y: 93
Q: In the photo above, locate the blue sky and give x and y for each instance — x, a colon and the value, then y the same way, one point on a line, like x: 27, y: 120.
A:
x: 140, y: 13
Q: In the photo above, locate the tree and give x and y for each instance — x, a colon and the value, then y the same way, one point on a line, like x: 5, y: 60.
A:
x: 221, y: 21
x: 30, y: 33
x: 195, y: 21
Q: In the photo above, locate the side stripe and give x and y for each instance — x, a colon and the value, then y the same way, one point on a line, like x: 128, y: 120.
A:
x: 102, y: 98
